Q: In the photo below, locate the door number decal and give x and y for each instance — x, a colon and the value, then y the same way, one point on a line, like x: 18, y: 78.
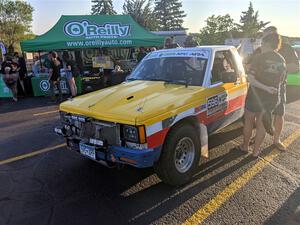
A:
x: 217, y: 103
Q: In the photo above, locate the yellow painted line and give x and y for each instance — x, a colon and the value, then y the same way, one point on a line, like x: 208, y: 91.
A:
x: 6, y: 161
x: 45, y: 113
x: 214, y: 204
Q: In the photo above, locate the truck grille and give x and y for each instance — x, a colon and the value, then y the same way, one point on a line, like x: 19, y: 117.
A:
x: 106, y: 131
x: 87, y: 131
x: 108, y: 134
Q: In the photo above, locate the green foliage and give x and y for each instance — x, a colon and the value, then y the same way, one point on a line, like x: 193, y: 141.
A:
x: 103, y: 7
x: 142, y: 12
x: 217, y: 29
x: 15, y: 21
x: 169, y: 14
x: 250, y: 24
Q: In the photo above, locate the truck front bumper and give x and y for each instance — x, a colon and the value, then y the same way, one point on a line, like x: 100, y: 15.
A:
x: 120, y: 155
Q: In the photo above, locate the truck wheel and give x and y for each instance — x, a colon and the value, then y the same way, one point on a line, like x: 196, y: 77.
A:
x: 180, y: 155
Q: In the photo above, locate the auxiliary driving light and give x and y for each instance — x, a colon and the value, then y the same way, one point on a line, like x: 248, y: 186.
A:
x: 96, y: 142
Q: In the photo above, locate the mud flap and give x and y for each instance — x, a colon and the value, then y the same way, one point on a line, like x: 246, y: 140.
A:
x: 204, y: 140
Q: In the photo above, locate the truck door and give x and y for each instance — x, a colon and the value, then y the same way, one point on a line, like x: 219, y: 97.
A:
x: 225, y: 101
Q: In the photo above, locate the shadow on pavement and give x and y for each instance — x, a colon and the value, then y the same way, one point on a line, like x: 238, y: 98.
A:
x: 175, y: 200
x: 288, y: 213
x: 220, y: 138
x: 7, y: 105
x: 64, y: 188
x: 84, y: 189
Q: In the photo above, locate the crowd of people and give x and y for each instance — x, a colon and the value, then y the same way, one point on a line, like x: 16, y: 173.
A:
x: 14, y: 71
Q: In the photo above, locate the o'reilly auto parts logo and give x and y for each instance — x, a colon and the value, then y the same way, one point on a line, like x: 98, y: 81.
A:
x: 44, y: 85
x: 88, y: 30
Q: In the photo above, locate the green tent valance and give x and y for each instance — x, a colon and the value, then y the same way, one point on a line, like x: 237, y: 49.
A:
x: 93, y: 31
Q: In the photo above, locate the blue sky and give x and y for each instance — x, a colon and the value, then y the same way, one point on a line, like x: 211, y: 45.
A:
x: 285, y: 15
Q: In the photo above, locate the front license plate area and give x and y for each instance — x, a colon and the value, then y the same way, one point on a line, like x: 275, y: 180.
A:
x: 87, y: 150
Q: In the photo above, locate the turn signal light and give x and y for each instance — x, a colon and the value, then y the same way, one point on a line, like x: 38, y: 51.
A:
x: 142, y: 134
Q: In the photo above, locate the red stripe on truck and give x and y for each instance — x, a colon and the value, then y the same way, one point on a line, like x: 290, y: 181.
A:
x: 158, y: 138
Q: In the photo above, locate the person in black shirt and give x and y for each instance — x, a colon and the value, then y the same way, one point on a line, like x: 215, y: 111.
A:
x: 266, y: 74
x: 142, y: 53
x: 290, y: 56
x: 292, y: 65
x: 169, y: 43
x: 22, y: 69
x: 54, y: 75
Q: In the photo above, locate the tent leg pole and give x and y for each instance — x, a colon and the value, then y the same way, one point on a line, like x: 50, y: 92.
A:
x: 40, y: 60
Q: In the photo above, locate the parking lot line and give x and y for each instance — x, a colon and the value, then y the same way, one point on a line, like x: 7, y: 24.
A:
x: 31, y: 154
x: 214, y: 204
x: 45, y: 113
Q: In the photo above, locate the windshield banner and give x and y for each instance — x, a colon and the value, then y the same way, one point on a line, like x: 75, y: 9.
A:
x: 201, y: 53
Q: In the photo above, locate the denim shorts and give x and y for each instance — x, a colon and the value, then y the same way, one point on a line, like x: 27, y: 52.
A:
x: 69, y: 75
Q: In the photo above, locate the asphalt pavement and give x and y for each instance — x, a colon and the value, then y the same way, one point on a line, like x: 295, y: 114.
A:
x: 41, y: 182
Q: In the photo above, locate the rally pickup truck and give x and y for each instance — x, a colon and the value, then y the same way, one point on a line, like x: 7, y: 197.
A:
x: 162, y: 115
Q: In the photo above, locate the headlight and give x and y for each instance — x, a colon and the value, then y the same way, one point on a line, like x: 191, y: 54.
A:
x: 134, y: 134
x: 131, y: 133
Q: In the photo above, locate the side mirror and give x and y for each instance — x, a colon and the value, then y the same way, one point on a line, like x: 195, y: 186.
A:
x: 229, y: 77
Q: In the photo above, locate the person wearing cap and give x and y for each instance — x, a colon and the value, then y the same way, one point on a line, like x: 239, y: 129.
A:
x: 292, y: 65
x: 267, y: 73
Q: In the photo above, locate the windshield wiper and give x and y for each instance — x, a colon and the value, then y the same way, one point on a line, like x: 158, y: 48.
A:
x: 131, y: 79
x: 168, y: 81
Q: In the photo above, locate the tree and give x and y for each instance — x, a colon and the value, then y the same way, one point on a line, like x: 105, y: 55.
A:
x: 169, y: 14
x: 250, y: 25
x: 217, y: 29
x: 15, y: 22
x: 142, y: 12
x: 103, y: 7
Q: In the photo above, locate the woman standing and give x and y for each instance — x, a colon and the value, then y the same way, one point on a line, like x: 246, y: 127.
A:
x: 70, y: 69
x: 267, y: 72
x: 54, y: 75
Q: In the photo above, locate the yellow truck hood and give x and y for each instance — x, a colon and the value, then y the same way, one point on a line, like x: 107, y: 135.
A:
x: 136, y: 102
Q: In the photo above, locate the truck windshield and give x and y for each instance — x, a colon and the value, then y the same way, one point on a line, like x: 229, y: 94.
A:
x: 178, y: 70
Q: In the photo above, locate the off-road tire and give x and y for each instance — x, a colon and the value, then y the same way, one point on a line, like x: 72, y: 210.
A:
x: 165, y: 167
